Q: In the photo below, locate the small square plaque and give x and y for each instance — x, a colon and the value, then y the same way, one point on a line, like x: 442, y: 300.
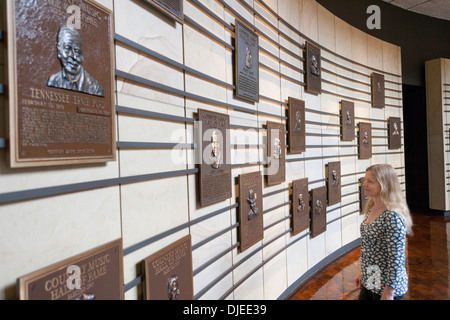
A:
x: 168, y: 273
x: 319, y: 211
x: 313, y: 68
x: 297, y: 134
x: 246, y: 63
x: 215, y: 167
x: 300, y: 206
x: 395, y: 133
x: 250, y: 209
x: 334, y: 182
x: 276, y: 153
x: 378, y: 95
x: 365, y: 140
x: 347, y: 120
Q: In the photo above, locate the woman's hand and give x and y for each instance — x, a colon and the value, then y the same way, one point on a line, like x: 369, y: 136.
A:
x: 358, y: 281
x: 388, y: 293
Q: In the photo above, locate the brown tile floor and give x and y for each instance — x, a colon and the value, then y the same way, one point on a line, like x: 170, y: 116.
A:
x: 428, y: 262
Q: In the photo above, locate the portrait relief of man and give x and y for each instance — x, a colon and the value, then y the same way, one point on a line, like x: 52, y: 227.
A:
x: 72, y: 75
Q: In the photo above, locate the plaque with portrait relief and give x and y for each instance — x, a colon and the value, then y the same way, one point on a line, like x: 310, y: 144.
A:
x: 334, y: 182
x: 61, y: 83
x: 250, y: 209
x: 313, y: 68
x: 215, y: 167
x: 246, y: 63
x: 297, y: 132
x: 171, y: 8
x: 378, y: 95
x: 347, y: 120
x: 276, y: 153
x: 93, y: 275
x: 318, y: 211
x: 395, y: 133
x: 365, y: 140
x: 300, y: 206
x: 168, y: 272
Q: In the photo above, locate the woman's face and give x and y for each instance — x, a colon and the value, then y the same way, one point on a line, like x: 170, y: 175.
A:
x: 372, y: 187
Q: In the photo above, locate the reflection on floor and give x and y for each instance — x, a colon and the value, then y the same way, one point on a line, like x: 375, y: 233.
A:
x: 427, y: 265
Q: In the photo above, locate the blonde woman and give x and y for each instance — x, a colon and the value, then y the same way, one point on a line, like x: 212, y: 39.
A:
x: 383, y: 236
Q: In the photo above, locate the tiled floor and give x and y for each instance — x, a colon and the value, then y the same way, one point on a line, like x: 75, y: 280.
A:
x: 428, y: 263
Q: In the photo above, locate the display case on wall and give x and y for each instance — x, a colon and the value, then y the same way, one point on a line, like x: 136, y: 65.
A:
x: 438, y: 126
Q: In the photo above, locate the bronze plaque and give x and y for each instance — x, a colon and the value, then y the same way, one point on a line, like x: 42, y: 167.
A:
x: 300, y: 206
x: 61, y: 83
x: 297, y: 132
x: 319, y: 211
x: 362, y: 194
x: 250, y: 209
x: 246, y: 63
x: 172, y: 8
x: 347, y: 120
x: 276, y: 153
x: 215, y: 168
x: 365, y: 140
x: 94, y: 275
x: 395, y: 133
x: 168, y: 273
x: 377, y: 90
x: 313, y: 68
x: 334, y: 182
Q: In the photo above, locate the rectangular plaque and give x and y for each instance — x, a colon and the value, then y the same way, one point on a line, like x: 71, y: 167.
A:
x: 215, y: 168
x: 94, y: 275
x: 297, y: 136
x: 168, y: 273
x: 172, y: 8
x: 313, y: 68
x: 61, y: 83
x: 395, y: 133
x: 362, y: 195
x: 365, y: 140
x: 246, y: 63
x: 276, y: 153
x: 377, y: 90
x: 319, y: 211
x: 334, y: 182
x: 347, y: 120
x: 250, y: 209
x: 300, y: 207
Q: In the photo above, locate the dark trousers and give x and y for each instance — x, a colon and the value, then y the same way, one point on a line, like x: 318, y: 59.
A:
x: 369, y: 295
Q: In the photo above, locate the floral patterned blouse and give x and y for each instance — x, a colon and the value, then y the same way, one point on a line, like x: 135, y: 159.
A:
x: 383, y: 253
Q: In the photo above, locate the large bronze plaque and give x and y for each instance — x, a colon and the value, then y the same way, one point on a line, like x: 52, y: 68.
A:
x: 94, y: 275
x: 313, y: 68
x: 395, y: 133
x: 168, y: 273
x: 334, y: 182
x: 319, y: 211
x: 172, y: 8
x: 246, y: 63
x: 215, y: 168
x: 300, y: 206
x: 61, y: 83
x: 297, y: 132
x: 276, y: 153
x: 362, y: 195
x: 250, y: 209
x: 378, y: 90
x: 347, y: 120
x: 365, y: 140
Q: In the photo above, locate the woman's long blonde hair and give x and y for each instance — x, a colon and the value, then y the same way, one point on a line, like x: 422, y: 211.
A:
x: 391, y: 193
